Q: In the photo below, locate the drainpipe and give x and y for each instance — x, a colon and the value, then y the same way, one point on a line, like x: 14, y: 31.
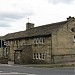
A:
x: 52, y: 61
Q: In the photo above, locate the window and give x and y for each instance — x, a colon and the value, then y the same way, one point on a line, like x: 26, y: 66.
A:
x: 42, y: 40
x: 43, y: 57
x: 37, y: 55
x: 39, y: 40
x: 40, y: 56
x: 34, y: 41
x: 34, y: 55
x: 73, y: 29
x: 11, y: 42
x: 8, y: 43
x: 5, y: 52
x: 74, y: 39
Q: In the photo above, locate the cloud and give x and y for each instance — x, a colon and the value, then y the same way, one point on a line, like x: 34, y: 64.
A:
x: 59, y: 1
x: 4, y: 25
x: 6, y: 16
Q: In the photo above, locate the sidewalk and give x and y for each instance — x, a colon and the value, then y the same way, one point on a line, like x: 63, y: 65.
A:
x: 68, y: 64
x: 10, y: 63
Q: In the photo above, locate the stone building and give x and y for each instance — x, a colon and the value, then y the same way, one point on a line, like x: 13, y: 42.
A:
x: 50, y: 43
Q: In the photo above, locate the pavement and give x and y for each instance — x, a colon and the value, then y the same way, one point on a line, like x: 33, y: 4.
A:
x: 67, y: 64
x: 10, y: 62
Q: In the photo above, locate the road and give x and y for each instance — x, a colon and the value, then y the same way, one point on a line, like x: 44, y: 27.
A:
x: 22, y: 70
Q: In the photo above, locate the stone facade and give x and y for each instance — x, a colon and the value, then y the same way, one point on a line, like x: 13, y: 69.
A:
x: 63, y: 45
x: 23, y: 55
x: 51, y: 43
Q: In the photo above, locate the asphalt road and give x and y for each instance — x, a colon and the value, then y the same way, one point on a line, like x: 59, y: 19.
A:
x: 22, y: 70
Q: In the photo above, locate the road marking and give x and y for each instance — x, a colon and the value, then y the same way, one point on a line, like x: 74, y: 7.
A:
x: 30, y: 74
x: 30, y: 67
x: 16, y: 73
x: 1, y: 71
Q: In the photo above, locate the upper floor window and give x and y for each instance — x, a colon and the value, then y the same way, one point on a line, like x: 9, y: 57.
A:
x: 38, y: 40
x: 8, y: 43
x: 11, y: 42
x: 74, y: 39
x: 73, y: 29
x: 42, y: 40
x: 34, y: 41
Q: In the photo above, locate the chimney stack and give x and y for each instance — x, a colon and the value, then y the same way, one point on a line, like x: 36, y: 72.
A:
x: 29, y: 25
x: 70, y: 18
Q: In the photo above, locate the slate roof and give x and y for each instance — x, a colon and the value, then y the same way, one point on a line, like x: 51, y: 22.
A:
x: 1, y: 37
x: 36, y: 31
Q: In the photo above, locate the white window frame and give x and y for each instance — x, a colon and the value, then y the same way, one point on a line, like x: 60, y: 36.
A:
x: 34, y: 55
x: 34, y: 40
x: 37, y: 55
x: 37, y: 41
x: 42, y: 40
x: 40, y: 56
x: 74, y: 39
x: 43, y: 56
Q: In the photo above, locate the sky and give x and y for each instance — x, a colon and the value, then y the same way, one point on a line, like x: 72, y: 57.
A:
x: 14, y: 14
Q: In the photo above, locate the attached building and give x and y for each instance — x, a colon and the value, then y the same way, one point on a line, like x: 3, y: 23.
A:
x: 51, y: 43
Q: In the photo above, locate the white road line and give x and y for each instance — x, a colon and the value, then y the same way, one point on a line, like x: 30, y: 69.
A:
x: 30, y: 74
x: 16, y: 73
x: 1, y: 71
x: 30, y: 67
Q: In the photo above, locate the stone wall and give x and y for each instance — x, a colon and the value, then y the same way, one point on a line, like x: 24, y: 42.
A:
x: 27, y: 55
x: 63, y: 47
x: 63, y: 58
x: 23, y: 56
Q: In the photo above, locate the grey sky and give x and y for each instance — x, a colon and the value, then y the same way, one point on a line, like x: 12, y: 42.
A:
x: 14, y: 13
x: 58, y: 1
x: 4, y: 25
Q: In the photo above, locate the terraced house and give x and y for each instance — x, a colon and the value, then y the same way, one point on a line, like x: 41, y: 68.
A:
x: 50, y: 43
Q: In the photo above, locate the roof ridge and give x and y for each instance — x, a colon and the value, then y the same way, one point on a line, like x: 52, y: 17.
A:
x: 39, y: 30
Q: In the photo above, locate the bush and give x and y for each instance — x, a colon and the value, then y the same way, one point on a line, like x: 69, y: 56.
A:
x: 3, y: 60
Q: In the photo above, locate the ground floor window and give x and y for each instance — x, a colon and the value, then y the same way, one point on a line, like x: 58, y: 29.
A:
x: 5, y: 52
x: 40, y: 56
x: 37, y: 55
x: 34, y: 55
x: 43, y: 56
